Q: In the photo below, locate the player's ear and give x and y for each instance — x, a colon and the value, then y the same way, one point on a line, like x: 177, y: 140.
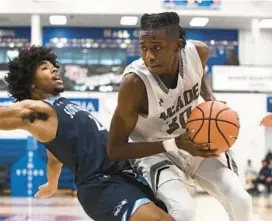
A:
x: 180, y: 44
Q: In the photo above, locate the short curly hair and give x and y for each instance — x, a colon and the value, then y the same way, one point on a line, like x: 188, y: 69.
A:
x: 22, y: 69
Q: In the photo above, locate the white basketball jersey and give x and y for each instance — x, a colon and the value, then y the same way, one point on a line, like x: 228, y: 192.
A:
x: 168, y: 110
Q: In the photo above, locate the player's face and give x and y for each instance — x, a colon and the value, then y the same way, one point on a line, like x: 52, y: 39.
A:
x: 264, y: 163
x: 159, y: 51
x: 47, y: 79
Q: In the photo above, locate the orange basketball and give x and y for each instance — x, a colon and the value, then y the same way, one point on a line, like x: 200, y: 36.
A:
x: 214, y: 122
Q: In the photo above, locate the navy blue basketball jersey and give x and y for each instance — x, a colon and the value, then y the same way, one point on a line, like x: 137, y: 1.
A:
x: 81, y: 142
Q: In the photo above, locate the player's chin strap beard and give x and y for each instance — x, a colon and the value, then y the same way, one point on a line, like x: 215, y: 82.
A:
x: 181, y: 70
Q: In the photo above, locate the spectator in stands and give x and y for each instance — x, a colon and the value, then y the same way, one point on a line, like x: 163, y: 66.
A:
x: 265, y: 177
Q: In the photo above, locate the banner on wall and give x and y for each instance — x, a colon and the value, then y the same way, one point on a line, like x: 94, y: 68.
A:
x: 269, y: 104
x: 242, y: 79
x: 76, y: 77
x: 199, y: 4
x: 102, y: 78
x: 112, y: 40
x: 14, y: 37
x: 93, y: 38
x: 89, y: 104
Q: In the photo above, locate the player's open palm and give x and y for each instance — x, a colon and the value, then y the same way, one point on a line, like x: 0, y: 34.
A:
x: 201, y: 150
x: 46, y: 190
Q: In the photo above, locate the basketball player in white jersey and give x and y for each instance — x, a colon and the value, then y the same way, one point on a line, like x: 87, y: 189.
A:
x: 156, y: 96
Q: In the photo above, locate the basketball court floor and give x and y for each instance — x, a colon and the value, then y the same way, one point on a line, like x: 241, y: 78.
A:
x: 66, y: 208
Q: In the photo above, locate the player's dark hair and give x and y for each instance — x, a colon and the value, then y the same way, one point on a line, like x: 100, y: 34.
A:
x: 167, y: 20
x: 22, y: 69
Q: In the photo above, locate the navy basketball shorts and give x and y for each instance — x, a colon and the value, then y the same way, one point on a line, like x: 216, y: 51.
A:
x: 113, y: 197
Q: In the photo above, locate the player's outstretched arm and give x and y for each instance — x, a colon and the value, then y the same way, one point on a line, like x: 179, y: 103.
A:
x: 11, y: 117
x: 36, y: 117
x: 53, y: 170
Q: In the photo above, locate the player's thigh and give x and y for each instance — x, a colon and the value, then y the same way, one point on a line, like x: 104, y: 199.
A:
x: 215, y: 177
x: 111, y: 198
x: 150, y: 212
x: 152, y: 167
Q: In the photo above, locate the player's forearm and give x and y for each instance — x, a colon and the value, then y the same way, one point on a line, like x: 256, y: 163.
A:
x: 206, y: 90
x: 134, y: 150
x: 53, y: 173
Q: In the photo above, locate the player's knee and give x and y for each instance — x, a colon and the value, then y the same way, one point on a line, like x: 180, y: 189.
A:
x: 241, y: 201
x: 245, y: 201
x: 151, y: 216
x: 182, y: 212
x: 150, y: 212
x: 160, y: 217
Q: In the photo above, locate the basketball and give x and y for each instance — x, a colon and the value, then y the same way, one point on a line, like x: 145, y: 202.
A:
x: 214, y: 122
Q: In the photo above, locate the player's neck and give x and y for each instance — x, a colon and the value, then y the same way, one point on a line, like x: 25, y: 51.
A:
x: 170, y: 80
x: 42, y: 96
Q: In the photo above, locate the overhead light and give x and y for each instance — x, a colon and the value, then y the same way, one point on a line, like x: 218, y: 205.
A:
x: 129, y: 20
x: 199, y: 22
x: 58, y: 20
x: 46, y: 0
x: 265, y: 23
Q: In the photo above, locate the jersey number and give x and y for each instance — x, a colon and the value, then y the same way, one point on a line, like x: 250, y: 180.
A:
x: 98, y: 124
x: 175, y: 124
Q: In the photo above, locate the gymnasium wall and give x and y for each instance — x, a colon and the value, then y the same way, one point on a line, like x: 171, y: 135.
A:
x: 250, y: 107
x: 227, y: 8
x: 249, y: 54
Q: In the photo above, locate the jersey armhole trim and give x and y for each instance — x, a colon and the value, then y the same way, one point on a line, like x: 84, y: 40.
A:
x: 199, y: 59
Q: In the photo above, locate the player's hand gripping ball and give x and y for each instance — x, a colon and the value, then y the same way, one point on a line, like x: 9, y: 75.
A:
x: 214, y: 122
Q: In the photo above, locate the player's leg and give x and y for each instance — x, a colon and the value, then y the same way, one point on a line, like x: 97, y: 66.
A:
x: 169, y: 185
x: 150, y: 212
x: 113, y: 198
x: 176, y: 197
x: 224, y: 185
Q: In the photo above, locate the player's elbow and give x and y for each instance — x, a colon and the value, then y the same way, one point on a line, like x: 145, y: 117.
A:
x: 54, y: 163
x: 112, y: 154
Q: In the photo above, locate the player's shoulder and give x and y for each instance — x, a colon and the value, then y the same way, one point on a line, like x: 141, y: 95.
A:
x: 132, y: 81
x: 28, y: 103
x: 197, y: 44
x: 132, y: 91
x: 35, y: 106
x: 201, y: 47
x: 135, y: 66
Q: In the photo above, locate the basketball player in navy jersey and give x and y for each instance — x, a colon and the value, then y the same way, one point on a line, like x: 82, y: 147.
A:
x: 74, y: 138
x: 157, y: 94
